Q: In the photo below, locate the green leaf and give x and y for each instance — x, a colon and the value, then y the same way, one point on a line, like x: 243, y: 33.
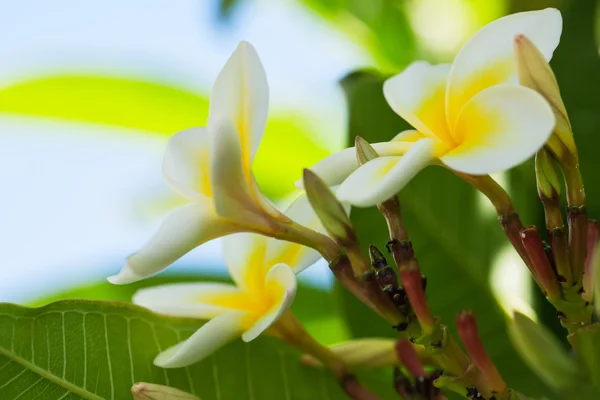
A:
x: 454, y: 240
x: 79, y: 349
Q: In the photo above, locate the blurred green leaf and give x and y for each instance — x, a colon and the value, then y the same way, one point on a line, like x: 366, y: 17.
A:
x: 381, y: 26
x: 79, y: 349
x: 454, y: 240
x: 158, y: 108
x: 325, y: 322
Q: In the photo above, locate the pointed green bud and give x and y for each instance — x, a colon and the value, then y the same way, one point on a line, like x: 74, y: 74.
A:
x: 548, y: 182
x: 535, y: 73
x: 360, y: 353
x: 542, y: 352
x: 150, y: 391
x: 330, y: 211
x: 364, y: 151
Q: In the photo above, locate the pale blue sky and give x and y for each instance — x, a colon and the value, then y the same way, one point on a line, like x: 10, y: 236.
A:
x: 74, y: 194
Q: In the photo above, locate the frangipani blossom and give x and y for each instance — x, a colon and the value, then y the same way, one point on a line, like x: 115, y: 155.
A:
x: 471, y: 116
x: 263, y: 270
x: 212, y: 168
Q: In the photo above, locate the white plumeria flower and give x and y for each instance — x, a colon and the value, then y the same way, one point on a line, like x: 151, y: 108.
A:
x: 471, y: 116
x: 212, y: 168
x: 263, y: 270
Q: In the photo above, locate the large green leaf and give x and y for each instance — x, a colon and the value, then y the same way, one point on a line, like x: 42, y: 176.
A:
x: 454, y: 240
x: 78, y: 349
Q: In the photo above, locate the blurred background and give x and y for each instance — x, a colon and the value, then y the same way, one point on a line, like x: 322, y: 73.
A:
x: 90, y: 92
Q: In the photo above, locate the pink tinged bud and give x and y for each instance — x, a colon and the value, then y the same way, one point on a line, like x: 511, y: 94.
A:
x: 150, y: 391
x: 413, y: 285
x: 409, y: 358
x: 542, y: 270
x: 592, y: 247
x: 467, y: 330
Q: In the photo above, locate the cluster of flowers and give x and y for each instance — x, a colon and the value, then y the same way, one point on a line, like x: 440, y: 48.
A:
x: 495, y: 106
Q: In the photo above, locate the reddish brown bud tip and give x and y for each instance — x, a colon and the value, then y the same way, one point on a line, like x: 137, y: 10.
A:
x: 542, y: 270
x: 409, y: 358
x: 592, y: 241
x: 413, y: 285
x: 467, y: 330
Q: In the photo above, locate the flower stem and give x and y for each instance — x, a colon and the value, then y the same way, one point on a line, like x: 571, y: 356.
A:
x: 289, y: 329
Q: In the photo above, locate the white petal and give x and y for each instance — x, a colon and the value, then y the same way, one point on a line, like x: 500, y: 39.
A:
x: 500, y: 127
x: 334, y: 169
x: 182, y: 230
x: 232, y: 192
x: 295, y: 255
x: 383, y: 177
x: 211, y: 336
x: 241, y: 95
x: 487, y: 58
x: 186, y: 164
x: 418, y: 94
x: 244, y: 255
x: 281, y: 280
x: 190, y: 299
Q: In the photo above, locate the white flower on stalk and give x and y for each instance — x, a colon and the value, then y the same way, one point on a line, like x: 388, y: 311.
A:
x: 263, y: 270
x: 471, y: 116
x: 212, y: 168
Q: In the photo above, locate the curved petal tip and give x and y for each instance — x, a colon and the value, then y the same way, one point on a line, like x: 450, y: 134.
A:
x: 125, y: 276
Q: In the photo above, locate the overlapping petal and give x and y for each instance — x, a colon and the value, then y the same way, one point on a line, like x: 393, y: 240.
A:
x: 383, y: 177
x: 418, y: 94
x: 487, y: 58
x: 245, y: 255
x: 184, y: 229
x: 499, y: 128
x: 334, y: 169
x: 241, y: 95
x: 186, y: 164
x: 211, y: 336
x: 233, y: 192
x: 280, y: 286
x: 203, y: 300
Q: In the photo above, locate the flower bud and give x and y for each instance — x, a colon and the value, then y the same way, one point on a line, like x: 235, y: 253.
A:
x: 541, y: 269
x: 330, y: 211
x: 595, y: 277
x: 469, y: 334
x: 590, y: 261
x: 535, y: 73
x: 412, y: 281
x: 542, y: 352
x: 364, y: 151
x: 546, y: 175
x: 150, y: 391
x: 360, y: 353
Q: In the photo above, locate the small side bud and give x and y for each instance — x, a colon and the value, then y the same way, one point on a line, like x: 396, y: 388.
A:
x: 150, y: 391
x: 595, y: 278
x: 330, y: 211
x: 360, y: 353
x: 542, y: 352
x: 412, y: 281
x: 548, y: 182
x: 535, y: 73
x: 469, y: 334
x: 542, y: 270
x: 364, y: 151
x: 409, y: 358
x: 592, y: 248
